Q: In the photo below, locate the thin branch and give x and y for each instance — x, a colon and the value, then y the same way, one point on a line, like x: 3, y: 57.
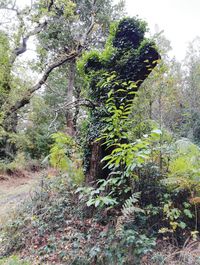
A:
x: 91, y: 26
x: 54, y: 91
x: 5, y: 22
x: 9, y: 8
x: 79, y: 102
x: 53, y: 121
x: 14, y: 3
x: 23, y: 46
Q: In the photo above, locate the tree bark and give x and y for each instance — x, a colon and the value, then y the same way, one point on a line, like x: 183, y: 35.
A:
x: 71, y: 130
x: 95, y: 165
x: 77, y: 108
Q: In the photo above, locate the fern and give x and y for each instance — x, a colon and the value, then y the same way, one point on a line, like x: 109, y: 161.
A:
x: 119, y: 228
x: 129, y: 209
x: 128, y: 212
x: 184, y: 167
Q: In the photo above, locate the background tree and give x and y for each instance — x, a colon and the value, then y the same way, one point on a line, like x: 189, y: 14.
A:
x: 87, y: 29
x: 63, y: 32
x: 191, y: 90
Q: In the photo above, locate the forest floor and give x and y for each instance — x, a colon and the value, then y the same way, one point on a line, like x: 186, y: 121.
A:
x: 65, y: 225
x: 14, y: 190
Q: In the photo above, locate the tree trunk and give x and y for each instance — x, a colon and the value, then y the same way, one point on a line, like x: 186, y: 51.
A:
x: 97, y: 169
x: 77, y: 108
x: 95, y: 166
x: 70, y: 88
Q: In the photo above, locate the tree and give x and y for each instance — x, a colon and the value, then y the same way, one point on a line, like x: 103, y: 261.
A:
x: 192, y: 90
x: 54, y: 23
x: 87, y: 28
x: 125, y: 63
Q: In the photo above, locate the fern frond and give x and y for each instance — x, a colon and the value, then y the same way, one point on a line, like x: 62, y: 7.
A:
x: 128, y: 212
x: 119, y: 226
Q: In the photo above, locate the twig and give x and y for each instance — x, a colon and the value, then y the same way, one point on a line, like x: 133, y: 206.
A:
x: 53, y: 121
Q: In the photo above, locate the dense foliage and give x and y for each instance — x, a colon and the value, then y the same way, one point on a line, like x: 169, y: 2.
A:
x: 115, y: 124
x: 120, y: 69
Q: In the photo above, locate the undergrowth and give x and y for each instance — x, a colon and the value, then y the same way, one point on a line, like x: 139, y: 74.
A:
x: 167, y: 254
x: 56, y: 227
x: 19, y: 165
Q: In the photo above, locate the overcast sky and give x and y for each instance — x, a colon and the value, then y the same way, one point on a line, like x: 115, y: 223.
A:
x: 180, y: 20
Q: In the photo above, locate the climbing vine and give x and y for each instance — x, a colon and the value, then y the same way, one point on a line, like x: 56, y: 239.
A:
x: 120, y: 69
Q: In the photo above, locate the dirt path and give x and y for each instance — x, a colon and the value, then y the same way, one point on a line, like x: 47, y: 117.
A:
x: 14, y: 190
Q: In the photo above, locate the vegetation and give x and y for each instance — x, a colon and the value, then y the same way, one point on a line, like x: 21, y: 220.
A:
x: 116, y: 120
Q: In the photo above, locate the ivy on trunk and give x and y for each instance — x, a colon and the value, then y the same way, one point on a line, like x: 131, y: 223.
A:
x: 124, y: 64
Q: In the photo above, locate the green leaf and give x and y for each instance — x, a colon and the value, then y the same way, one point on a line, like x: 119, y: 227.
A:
x: 188, y: 213
x: 182, y: 225
x: 90, y: 202
x: 97, y: 202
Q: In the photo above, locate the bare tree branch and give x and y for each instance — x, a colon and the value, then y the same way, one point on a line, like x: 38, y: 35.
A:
x: 5, y: 22
x: 23, y: 46
x: 14, y: 3
x: 4, y: 7
x: 53, y: 121
x: 80, y: 102
x: 27, y: 97
x: 69, y: 105
x: 50, y: 5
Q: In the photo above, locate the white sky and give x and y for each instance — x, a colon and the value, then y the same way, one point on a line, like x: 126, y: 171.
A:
x: 180, y: 20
